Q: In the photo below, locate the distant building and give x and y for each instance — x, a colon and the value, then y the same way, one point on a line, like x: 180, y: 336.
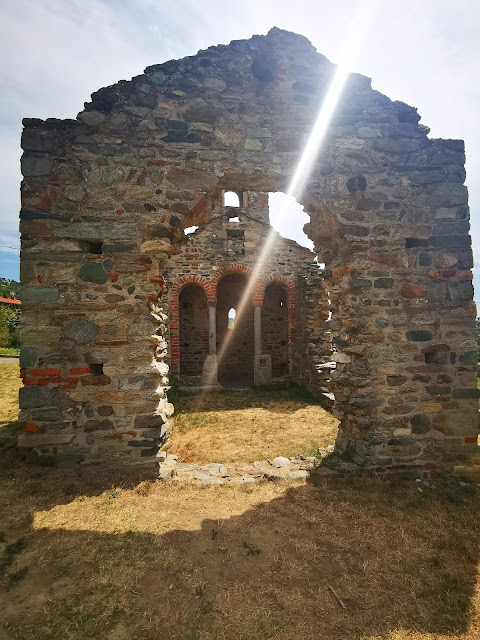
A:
x: 9, y: 302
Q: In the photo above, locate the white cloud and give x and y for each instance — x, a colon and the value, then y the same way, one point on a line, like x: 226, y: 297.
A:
x: 56, y: 53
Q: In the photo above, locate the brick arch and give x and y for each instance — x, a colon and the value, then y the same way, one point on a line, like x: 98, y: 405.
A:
x: 202, y: 282
x: 261, y: 285
x: 230, y: 268
x: 180, y: 284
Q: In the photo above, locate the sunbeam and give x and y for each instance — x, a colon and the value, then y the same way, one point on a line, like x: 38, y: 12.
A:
x: 359, y: 28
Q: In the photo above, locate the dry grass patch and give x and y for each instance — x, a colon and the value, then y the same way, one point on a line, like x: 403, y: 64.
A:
x: 243, y: 426
x: 9, y: 385
x: 105, y: 557
x: 92, y: 554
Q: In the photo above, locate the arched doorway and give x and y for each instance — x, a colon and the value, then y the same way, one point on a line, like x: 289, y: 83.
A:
x: 193, y: 329
x: 275, y: 328
x: 235, y: 342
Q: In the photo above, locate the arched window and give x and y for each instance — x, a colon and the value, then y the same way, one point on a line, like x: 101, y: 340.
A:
x: 231, y: 199
x: 231, y: 318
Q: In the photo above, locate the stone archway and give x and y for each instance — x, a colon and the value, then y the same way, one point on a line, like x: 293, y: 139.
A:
x: 105, y: 198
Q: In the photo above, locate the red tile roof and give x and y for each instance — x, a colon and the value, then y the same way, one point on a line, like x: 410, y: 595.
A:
x: 9, y: 301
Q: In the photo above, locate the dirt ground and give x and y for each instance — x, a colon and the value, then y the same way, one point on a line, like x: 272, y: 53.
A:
x: 93, y: 553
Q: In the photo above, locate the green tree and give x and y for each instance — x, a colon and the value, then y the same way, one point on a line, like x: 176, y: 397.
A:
x: 9, y: 288
x: 9, y: 326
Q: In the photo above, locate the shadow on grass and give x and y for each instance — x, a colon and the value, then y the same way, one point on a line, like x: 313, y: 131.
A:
x: 400, y: 555
x: 260, y: 397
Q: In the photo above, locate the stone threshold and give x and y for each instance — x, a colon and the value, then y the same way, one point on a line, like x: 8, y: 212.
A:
x: 280, y: 468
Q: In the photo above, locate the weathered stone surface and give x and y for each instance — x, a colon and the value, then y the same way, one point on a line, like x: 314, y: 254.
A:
x: 164, y: 245
x: 410, y: 291
x: 81, y: 330
x: 33, y: 397
x: 28, y: 356
x: 32, y: 440
x: 116, y: 248
x: 92, y: 272
x: 40, y: 294
x: 384, y: 283
x: 144, y: 422
x: 99, y: 231
x: 420, y: 423
x: 33, y: 166
x: 419, y: 336
x: 96, y: 357
x: 92, y: 118
x: 367, y: 402
x: 280, y: 461
x: 359, y: 283
x: 99, y: 425
x: 47, y: 414
x: 466, y: 394
x: 110, y: 397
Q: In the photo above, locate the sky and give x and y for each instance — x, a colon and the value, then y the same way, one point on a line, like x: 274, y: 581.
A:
x: 55, y: 53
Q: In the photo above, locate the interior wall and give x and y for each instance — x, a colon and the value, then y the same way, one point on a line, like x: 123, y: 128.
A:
x: 275, y: 328
x: 193, y: 321
x: 236, y: 360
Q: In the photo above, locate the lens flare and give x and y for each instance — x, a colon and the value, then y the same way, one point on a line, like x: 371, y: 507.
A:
x: 354, y: 40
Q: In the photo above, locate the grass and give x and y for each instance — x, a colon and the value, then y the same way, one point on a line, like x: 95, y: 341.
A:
x: 9, y: 351
x: 9, y: 384
x: 110, y: 554
x: 243, y: 426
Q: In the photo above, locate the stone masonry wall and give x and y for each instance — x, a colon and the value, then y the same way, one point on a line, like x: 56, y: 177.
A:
x: 105, y: 198
x: 313, y: 344
x: 193, y: 326
x: 275, y: 329
x: 236, y: 361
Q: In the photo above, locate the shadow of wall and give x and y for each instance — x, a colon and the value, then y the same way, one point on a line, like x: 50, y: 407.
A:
x: 209, y: 563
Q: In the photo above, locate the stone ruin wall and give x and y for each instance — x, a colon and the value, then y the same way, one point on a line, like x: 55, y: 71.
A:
x: 105, y: 198
x: 314, y: 338
x: 275, y: 329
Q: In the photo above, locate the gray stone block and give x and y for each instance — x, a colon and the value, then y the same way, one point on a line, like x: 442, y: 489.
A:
x: 32, y: 397
x: 39, y: 294
x: 81, y: 330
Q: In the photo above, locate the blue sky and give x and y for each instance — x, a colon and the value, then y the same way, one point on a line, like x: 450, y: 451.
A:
x: 55, y: 53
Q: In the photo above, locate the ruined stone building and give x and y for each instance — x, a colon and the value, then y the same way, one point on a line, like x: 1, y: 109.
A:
x: 106, y: 267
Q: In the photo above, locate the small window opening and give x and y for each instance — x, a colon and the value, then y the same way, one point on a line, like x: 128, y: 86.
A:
x: 236, y: 233
x: 231, y: 318
x: 91, y: 247
x: 281, y: 303
x: 96, y: 369
x: 189, y: 230
x: 234, y: 219
x: 231, y: 199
